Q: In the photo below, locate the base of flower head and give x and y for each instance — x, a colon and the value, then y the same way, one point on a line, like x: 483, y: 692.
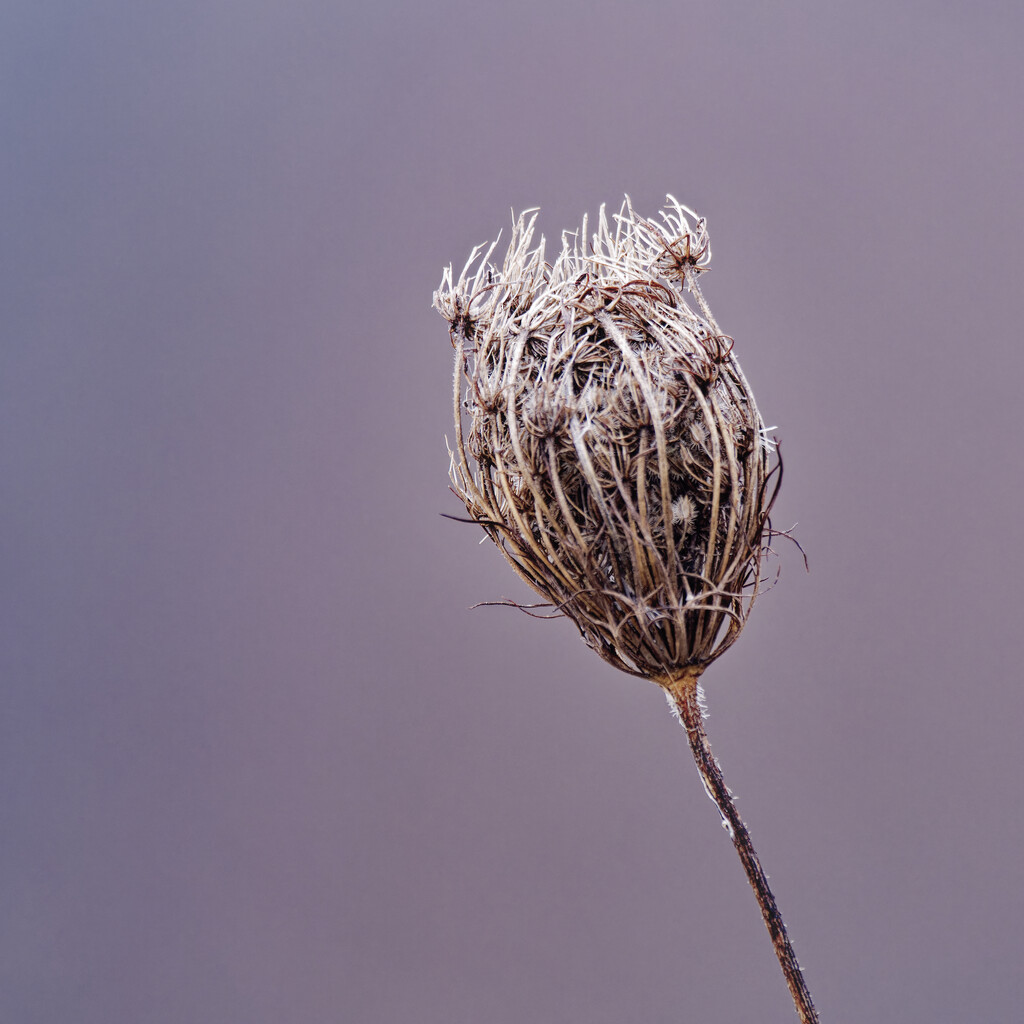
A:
x: 687, y: 678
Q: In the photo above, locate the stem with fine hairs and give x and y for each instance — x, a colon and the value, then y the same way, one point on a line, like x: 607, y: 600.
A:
x: 683, y: 694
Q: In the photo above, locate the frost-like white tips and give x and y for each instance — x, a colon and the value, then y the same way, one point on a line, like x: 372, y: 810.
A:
x: 684, y: 512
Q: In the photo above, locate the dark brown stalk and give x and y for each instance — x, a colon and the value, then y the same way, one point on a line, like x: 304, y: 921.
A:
x: 683, y: 692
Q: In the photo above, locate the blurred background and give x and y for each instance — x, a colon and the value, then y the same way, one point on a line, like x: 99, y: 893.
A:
x: 260, y: 760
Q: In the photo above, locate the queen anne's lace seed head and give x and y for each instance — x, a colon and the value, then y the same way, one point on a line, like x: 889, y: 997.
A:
x: 606, y: 438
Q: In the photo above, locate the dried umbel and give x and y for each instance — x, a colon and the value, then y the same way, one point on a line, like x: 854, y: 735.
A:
x: 607, y: 439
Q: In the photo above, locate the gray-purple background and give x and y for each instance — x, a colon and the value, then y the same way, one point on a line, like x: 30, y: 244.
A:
x: 260, y: 763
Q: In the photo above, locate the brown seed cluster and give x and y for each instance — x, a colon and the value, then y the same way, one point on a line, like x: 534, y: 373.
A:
x: 607, y: 440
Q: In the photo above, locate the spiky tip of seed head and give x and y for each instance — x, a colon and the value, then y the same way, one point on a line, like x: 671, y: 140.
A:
x: 607, y: 438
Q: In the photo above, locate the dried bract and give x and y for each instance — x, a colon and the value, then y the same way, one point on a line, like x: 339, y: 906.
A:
x: 606, y: 438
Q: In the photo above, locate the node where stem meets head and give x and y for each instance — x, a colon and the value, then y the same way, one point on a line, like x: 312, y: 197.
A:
x: 606, y: 438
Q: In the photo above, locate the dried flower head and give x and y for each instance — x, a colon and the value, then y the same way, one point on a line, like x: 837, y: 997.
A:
x: 607, y: 440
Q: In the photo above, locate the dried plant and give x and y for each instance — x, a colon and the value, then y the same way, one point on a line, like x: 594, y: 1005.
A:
x: 609, y: 444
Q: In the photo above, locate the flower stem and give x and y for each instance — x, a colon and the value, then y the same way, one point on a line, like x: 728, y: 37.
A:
x: 683, y: 694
